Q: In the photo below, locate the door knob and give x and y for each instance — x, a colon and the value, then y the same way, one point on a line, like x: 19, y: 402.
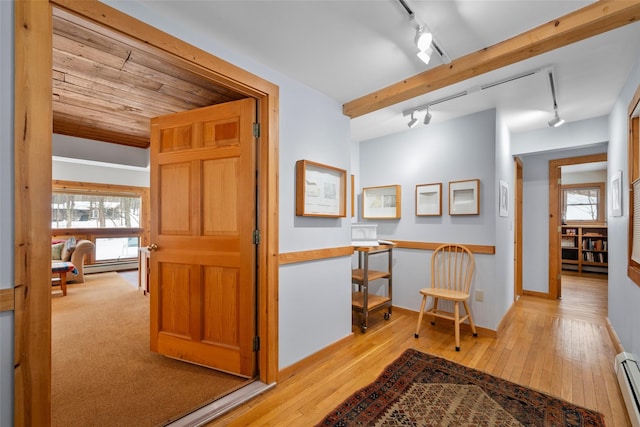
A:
x: 152, y: 247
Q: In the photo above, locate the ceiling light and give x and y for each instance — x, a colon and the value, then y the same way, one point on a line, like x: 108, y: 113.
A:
x: 423, y: 38
x: 427, y: 117
x: 413, y: 122
x: 425, y: 56
x: 556, y: 121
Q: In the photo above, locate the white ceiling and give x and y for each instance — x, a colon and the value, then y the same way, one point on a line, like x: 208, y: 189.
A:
x: 350, y: 48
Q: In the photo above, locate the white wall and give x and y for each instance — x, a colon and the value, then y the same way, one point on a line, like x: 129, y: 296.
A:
x: 502, y: 298
x: 6, y: 208
x: 624, y: 295
x: 458, y: 149
x: 569, y: 136
x: 67, y: 169
x: 98, y: 151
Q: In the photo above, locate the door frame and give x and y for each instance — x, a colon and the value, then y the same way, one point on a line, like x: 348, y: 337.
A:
x: 32, y: 144
x: 517, y: 243
x: 555, y: 254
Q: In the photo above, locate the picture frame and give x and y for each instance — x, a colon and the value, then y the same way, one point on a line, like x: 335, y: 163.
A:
x: 382, y: 202
x: 429, y: 199
x: 615, y: 189
x: 321, y: 190
x: 464, y: 197
x: 503, y: 199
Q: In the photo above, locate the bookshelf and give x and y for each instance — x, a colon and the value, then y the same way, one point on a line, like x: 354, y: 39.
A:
x: 584, y: 248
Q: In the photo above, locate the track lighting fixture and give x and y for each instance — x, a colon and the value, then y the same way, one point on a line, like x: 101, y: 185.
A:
x: 556, y: 121
x: 427, y: 117
x: 413, y: 122
x: 424, y: 39
x: 423, y: 43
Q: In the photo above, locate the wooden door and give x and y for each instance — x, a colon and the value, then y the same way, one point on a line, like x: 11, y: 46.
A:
x: 202, y: 285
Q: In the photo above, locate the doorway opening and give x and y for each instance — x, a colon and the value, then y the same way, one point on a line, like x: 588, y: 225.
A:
x: 577, y: 220
x: 33, y: 112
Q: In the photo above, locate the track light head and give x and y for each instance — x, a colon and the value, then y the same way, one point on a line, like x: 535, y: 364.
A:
x: 423, y: 38
x: 423, y: 41
x: 413, y: 122
x: 427, y: 117
x: 425, y: 55
x: 556, y: 121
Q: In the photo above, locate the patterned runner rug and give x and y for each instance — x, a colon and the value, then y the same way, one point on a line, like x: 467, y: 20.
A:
x: 423, y: 390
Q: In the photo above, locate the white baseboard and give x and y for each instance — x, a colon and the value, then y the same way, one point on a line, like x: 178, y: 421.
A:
x: 112, y: 266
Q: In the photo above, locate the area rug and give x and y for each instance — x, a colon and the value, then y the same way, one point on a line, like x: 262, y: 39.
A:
x: 419, y: 389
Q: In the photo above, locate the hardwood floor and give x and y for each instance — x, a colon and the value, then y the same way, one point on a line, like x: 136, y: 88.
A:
x: 558, y: 347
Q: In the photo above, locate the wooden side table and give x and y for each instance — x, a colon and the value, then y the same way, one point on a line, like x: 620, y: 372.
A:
x: 61, y: 268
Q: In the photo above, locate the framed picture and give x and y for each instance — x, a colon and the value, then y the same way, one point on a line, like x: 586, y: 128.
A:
x: 381, y: 202
x: 504, y: 199
x: 615, y: 188
x: 321, y: 190
x: 464, y: 197
x: 429, y: 199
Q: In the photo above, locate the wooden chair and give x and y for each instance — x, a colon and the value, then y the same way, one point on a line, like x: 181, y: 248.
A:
x: 451, y: 272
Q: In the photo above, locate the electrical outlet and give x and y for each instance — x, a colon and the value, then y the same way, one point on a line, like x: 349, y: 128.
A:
x: 479, y: 295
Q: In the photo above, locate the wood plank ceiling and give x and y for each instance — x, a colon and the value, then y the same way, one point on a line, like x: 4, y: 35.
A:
x: 107, y: 89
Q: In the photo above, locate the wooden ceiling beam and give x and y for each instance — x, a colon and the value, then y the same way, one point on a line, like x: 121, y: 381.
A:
x: 589, y: 21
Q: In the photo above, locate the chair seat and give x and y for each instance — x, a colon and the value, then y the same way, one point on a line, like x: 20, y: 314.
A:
x: 445, y: 293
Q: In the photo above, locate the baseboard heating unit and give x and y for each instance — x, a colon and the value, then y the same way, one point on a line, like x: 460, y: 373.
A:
x: 628, y: 373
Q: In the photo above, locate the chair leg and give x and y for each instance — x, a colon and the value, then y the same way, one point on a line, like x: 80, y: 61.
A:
x: 473, y: 326
x: 424, y: 302
x: 456, y: 313
x: 435, y: 309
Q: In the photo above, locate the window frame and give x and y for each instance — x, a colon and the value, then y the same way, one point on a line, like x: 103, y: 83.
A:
x: 93, y: 233
x: 601, y: 201
x: 633, y: 151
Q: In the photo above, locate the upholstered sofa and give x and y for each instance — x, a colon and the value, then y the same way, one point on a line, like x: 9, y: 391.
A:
x: 75, y: 252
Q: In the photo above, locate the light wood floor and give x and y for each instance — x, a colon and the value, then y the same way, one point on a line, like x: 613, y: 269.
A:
x: 558, y: 347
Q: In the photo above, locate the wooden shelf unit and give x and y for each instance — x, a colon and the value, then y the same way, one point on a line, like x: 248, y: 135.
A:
x: 361, y: 301
x: 584, y: 248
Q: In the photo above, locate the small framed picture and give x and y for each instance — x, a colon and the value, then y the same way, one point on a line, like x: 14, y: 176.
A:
x: 321, y: 190
x: 615, y: 188
x: 464, y: 197
x: 381, y: 202
x: 504, y: 199
x: 429, y: 199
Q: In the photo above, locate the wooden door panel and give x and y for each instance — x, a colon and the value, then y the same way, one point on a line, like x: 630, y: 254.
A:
x: 221, y: 294
x: 176, y: 138
x: 173, y: 295
x: 220, y: 196
x: 221, y: 133
x: 203, y: 166
x: 175, y: 194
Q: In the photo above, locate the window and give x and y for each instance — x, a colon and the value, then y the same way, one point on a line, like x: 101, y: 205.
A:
x: 116, y: 248
x: 583, y: 203
x: 114, y: 217
x: 77, y: 210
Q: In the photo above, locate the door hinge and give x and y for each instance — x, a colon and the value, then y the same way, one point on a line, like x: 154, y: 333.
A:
x: 256, y: 343
x: 559, y: 229
x: 256, y: 237
x: 256, y: 130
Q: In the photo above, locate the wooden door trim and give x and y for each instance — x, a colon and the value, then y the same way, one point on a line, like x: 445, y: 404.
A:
x: 555, y: 262
x: 32, y: 142
x: 517, y: 213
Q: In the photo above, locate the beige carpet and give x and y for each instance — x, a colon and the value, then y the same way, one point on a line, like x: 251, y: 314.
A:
x: 103, y: 373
